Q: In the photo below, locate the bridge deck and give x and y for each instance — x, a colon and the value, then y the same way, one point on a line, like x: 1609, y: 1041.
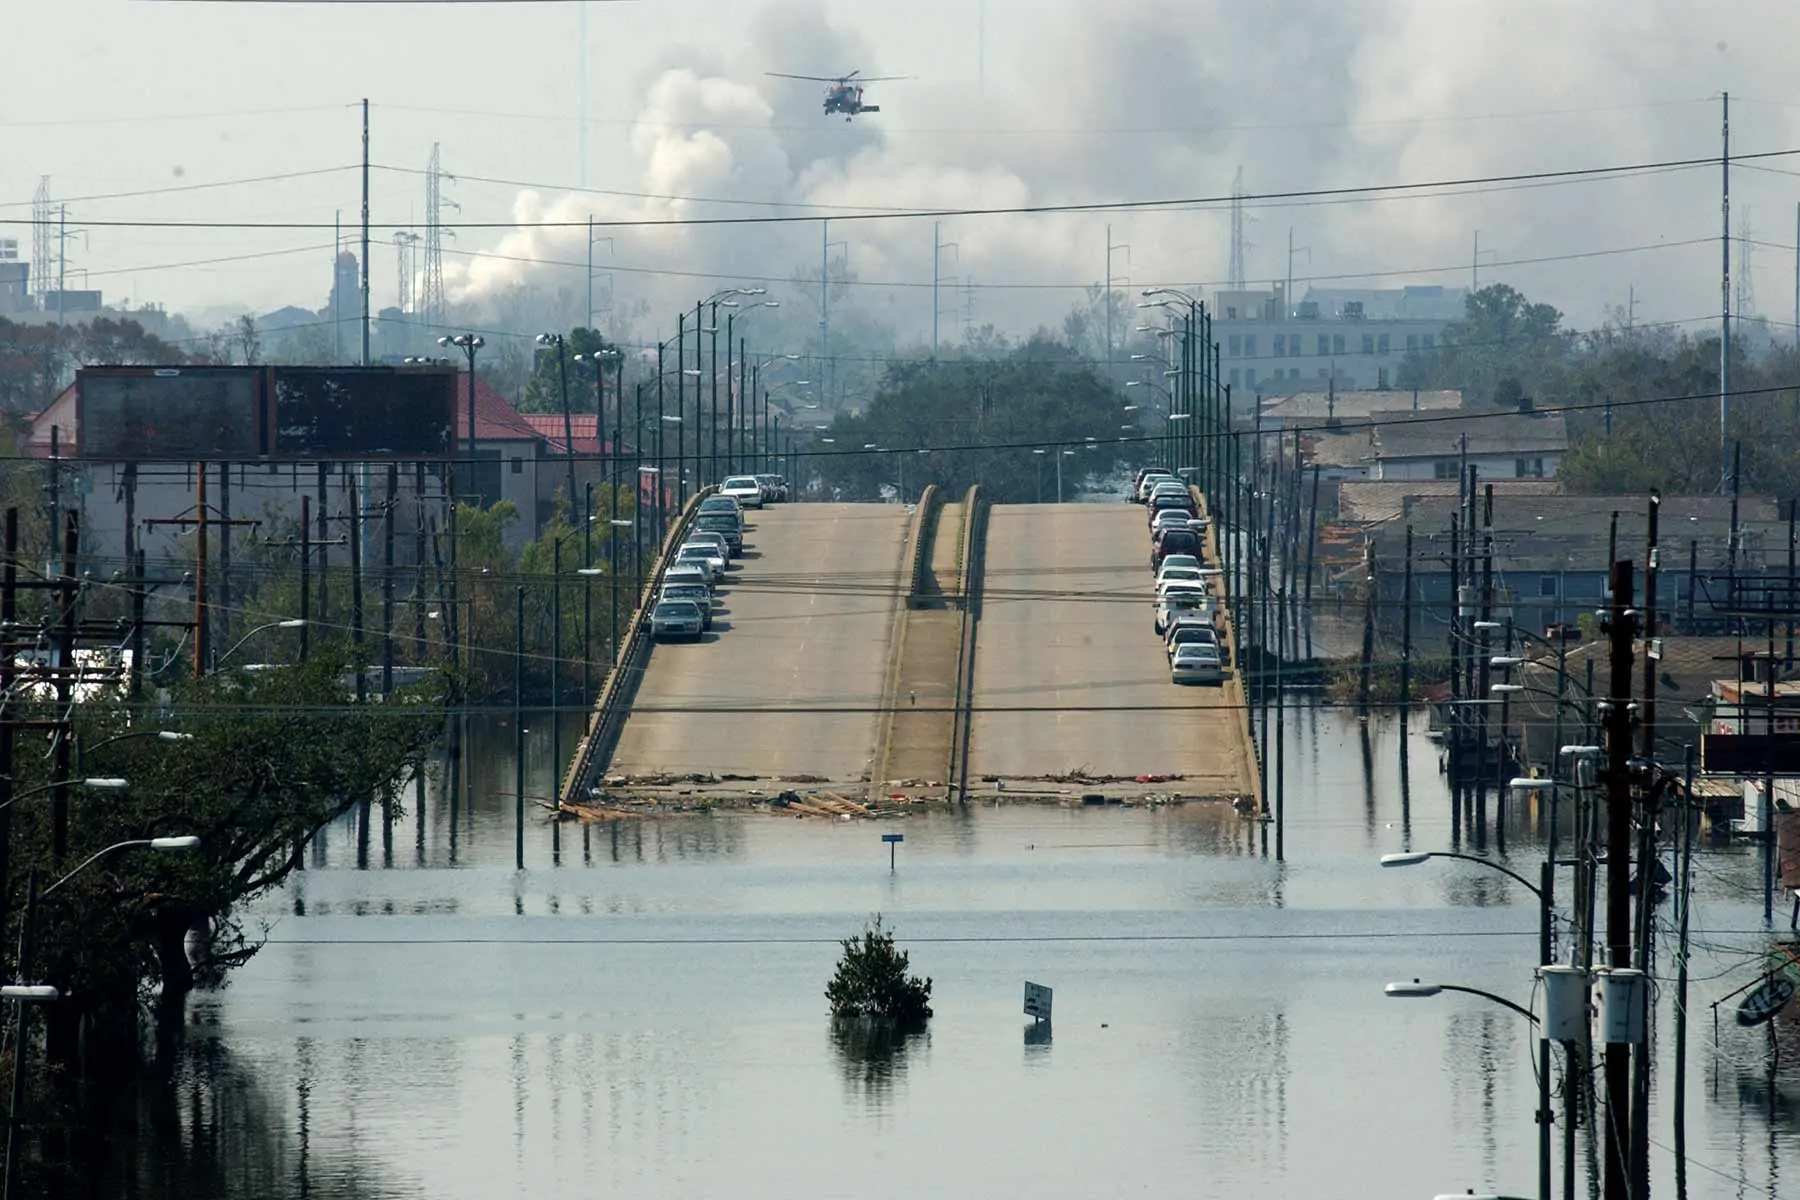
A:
x: 805, y: 620
x: 1066, y: 623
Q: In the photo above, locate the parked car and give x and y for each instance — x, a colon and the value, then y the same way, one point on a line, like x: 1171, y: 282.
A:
x: 1148, y: 484
x: 699, y: 593
x: 1190, y: 571
x: 1182, y: 587
x: 744, y: 489
x: 714, y: 538
x: 1170, y: 609
x: 1173, y: 541
x: 1184, y: 579
x: 1171, y: 518
x: 672, y: 619
x: 704, y: 553
x: 1137, y: 478
x: 1196, y: 663
x: 1181, y: 560
x: 721, y: 504
x: 1169, y: 488
x: 688, y: 572
x: 1185, y: 630
x: 727, y: 525
x: 1171, y: 503
x: 774, y: 489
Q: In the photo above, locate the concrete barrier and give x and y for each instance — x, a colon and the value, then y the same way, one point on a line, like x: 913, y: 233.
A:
x: 971, y: 562
x: 612, y: 705
x: 922, y: 589
x: 1234, y: 686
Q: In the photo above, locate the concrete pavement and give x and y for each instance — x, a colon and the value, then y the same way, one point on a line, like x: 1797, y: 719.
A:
x: 805, y: 621
x: 1066, y: 623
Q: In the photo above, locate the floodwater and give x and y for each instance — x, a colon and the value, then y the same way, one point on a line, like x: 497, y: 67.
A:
x: 640, y: 1012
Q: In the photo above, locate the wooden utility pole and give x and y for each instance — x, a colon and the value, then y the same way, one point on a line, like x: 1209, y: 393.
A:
x: 67, y: 594
x: 1616, y: 1132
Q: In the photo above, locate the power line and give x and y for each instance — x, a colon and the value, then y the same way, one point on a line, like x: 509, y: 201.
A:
x: 1365, y: 191
x: 189, y: 187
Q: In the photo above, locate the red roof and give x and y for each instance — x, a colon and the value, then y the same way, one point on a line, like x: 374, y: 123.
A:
x: 584, y: 425
x: 496, y: 420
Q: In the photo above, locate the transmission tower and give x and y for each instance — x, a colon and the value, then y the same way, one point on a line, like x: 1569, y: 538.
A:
x: 404, y: 242
x: 1746, y: 289
x: 431, y: 304
x: 43, y: 222
x: 1236, y: 273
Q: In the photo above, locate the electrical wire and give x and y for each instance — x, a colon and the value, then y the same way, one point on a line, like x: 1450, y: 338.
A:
x: 1470, y: 185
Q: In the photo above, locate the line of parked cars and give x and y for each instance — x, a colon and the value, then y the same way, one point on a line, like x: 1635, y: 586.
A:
x: 1187, y: 609
x: 687, y: 594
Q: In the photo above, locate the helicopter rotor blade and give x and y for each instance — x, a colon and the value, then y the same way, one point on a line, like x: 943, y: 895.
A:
x: 808, y: 78
x: 883, y: 78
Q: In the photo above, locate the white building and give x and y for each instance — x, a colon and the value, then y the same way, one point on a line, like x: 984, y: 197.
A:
x: 1350, y: 340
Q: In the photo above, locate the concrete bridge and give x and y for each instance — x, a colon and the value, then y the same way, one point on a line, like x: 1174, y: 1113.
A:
x: 878, y: 654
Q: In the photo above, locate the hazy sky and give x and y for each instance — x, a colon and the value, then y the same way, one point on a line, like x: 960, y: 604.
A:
x: 1080, y: 101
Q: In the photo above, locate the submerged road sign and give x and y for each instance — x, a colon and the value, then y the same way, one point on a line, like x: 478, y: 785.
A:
x: 1037, y: 1001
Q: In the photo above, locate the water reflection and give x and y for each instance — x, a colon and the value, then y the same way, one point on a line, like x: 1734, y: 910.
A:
x: 873, y: 1056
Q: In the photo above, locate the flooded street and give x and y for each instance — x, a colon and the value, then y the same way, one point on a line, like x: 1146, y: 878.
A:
x: 641, y: 1012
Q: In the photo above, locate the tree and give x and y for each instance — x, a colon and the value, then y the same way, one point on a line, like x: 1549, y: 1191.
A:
x: 268, y: 759
x: 979, y: 422
x: 246, y: 340
x: 872, y: 984
x: 543, y: 391
x: 1505, y: 345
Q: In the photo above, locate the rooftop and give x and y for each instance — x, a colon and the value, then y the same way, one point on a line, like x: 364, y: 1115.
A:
x: 1320, y: 407
x: 1481, y: 433
x: 1548, y: 533
x: 1367, y: 502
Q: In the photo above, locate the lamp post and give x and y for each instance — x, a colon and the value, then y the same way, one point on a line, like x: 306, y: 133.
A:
x: 1545, y: 891
x: 468, y: 343
x: 289, y: 623
x: 557, y: 342
x: 732, y: 413
x: 23, y: 994
x: 97, y: 783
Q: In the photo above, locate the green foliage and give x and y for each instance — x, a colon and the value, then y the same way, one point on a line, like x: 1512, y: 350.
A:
x: 872, y: 984
x: 543, y: 391
x: 271, y: 758
x: 1642, y: 403
x: 36, y: 361
x: 990, y: 415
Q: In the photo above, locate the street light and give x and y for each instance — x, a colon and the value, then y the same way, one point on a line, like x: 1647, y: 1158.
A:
x: 1544, y: 890
x: 98, y: 783
x: 289, y: 623
x: 45, y: 993
x: 468, y: 343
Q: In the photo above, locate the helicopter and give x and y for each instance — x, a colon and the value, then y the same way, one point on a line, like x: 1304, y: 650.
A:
x: 845, y: 92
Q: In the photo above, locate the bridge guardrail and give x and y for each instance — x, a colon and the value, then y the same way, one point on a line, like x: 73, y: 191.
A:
x: 921, y: 590
x: 1211, y: 540
x: 613, y: 703
x: 971, y: 561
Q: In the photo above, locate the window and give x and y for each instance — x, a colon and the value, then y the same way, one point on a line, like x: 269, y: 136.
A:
x: 1250, y: 377
x: 1325, y: 373
x: 1293, y: 372
x: 1546, y: 585
x: 1294, y: 348
x: 518, y: 466
x: 1337, y: 343
x: 1382, y: 344
x: 1528, y: 468
x: 1412, y: 342
x: 1237, y: 377
x: 1280, y: 345
x: 1249, y: 345
x: 1231, y: 313
x: 1427, y: 341
x: 1446, y: 468
x: 1368, y: 343
x: 1324, y: 343
x: 1234, y: 345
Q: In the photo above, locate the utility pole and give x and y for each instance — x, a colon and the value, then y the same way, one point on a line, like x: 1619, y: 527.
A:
x: 1724, y: 287
x: 365, y: 232
x: 67, y: 593
x: 1616, y: 1133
